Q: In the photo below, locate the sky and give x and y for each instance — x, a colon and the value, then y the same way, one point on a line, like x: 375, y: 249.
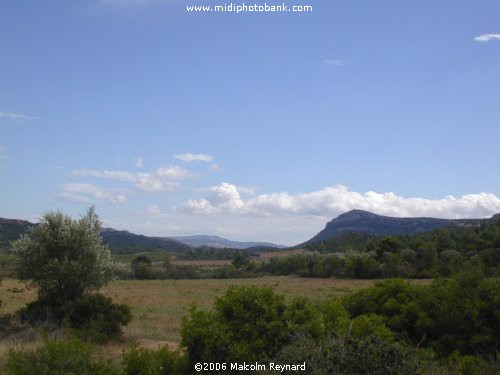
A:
x: 253, y: 125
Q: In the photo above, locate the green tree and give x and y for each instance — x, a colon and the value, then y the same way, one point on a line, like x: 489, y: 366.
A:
x: 65, y: 258
x: 142, y: 267
x: 241, y: 260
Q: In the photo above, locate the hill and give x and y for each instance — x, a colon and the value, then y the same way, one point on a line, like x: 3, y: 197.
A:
x: 120, y: 241
x: 219, y: 242
x: 124, y: 242
x: 359, y: 221
x: 11, y: 229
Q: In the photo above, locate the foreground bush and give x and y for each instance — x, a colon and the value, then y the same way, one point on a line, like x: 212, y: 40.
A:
x: 348, y: 355
x: 247, y: 324
x: 67, y: 357
x: 459, y: 314
x: 138, y: 361
x: 251, y: 324
x: 95, y: 317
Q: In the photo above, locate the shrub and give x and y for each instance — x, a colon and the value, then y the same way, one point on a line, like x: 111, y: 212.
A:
x: 97, y: 318
x: 65, y: 357
x: 142, y: 267
x: 348, y: 355
x: 42, y: 313
x: 138, y: 361
x: 247, y: 324
x: 304, y: 317
x: 458, y: 314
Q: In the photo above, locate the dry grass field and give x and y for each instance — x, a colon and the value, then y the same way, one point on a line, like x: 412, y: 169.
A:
x: 280, y: 253
x: 159, y: 305
x: 201, y: 262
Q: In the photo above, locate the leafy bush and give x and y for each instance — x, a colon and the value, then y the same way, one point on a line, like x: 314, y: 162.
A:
x: 42, y: 313
x: 349, y: 355
x: 247, y: 324
x: 459, y: 314
x: 391, y: 299
x: 97, y: 318
x: 138, y: 361
x: 65, y: 357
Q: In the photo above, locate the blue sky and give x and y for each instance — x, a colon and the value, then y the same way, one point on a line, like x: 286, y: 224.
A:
x: 252, y: 126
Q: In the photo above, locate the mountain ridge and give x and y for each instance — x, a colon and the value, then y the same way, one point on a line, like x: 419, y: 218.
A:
x: 360, y: 221
x: 123, y: 241
x: 219, y: 242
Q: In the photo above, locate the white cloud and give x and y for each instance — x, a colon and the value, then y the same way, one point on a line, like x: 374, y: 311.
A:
x: 174, y: 172
x: 487, y: 37
x: 17, y: 116
x: 118, y: 175
x: 152, y: 182
x: 189, y: 157
x: 87, y: 193
x: 332, y: 201
x: 138, y: 162
x: 331, y: 62
x: 163, y: 179
x: 154, y: 210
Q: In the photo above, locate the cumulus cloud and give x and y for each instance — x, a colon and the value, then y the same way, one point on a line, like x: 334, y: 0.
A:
x: 332, y: 201
x: 164, y: 179
x: 487, y: 37
x: 189, y: 157
x: 88, y: 193
x: 16, y: 116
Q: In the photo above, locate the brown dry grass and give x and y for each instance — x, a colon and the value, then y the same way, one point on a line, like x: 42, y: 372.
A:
x: 159, y: 305
x: 201, y: 262
x: 280, y: 253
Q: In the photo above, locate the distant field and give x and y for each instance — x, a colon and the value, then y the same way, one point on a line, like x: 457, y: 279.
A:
x: 159, y: 305
x: 281, y: 253
x: 158, y: 257
x: 201, y: 262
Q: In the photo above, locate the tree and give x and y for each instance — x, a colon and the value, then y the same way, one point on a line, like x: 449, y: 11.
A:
x: 241, y: 260
x: 142, y: 267
x: 65, y: 258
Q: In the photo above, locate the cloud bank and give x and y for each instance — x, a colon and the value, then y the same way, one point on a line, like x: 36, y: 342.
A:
x: 332, y: 201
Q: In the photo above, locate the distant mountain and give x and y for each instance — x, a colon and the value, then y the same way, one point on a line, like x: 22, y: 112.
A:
x: 219, y: 242
x: 358, y: 221
x: 120, y: 241
x: 124, y: 242
x: 11, y: 229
